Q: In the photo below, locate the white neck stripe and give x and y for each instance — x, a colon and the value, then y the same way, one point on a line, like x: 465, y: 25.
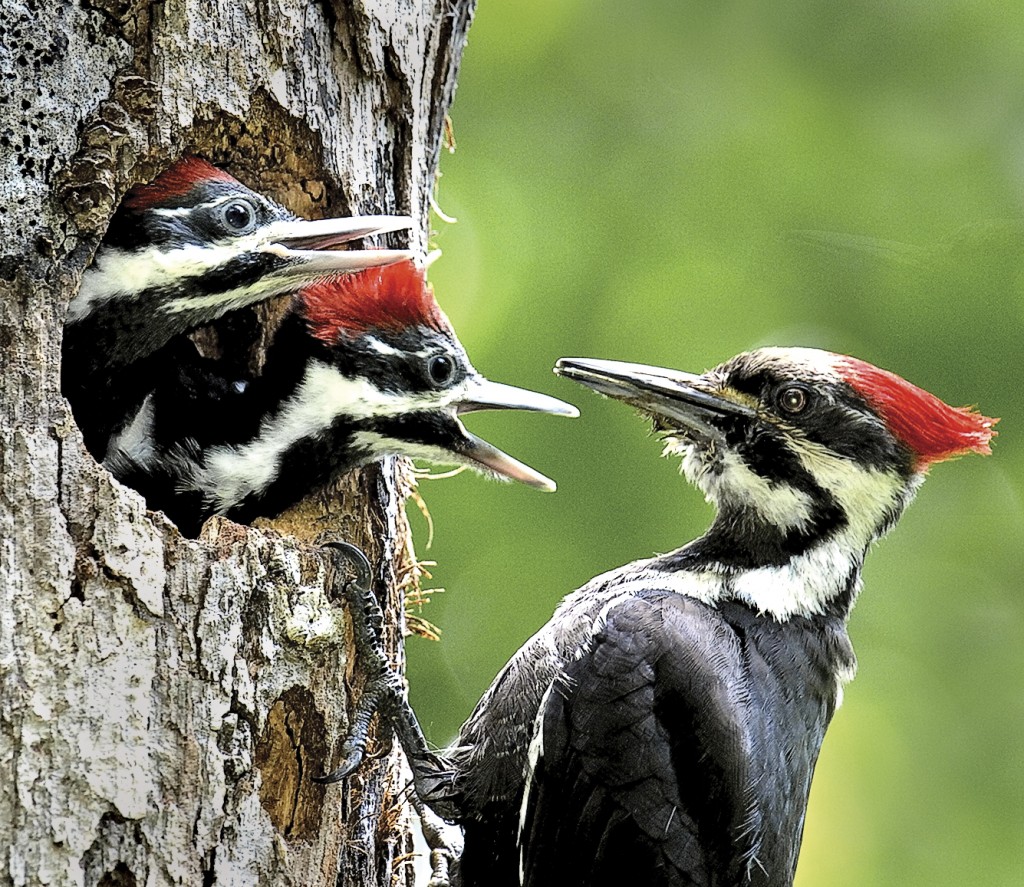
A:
x: 803, y: 587
x: 117, y: 272
x: 232, y: 472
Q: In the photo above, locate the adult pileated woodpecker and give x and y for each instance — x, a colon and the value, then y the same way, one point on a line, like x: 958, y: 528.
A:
x: 364, y: 366
x: 663, y: 727
x: 181, y: 252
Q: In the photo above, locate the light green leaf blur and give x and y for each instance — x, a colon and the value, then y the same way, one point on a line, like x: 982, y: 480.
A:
x: 675, y: 182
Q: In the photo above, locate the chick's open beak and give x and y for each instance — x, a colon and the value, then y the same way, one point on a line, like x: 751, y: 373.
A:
x: 494, y: 460
x: 481, y: 394
x: 309, y: 245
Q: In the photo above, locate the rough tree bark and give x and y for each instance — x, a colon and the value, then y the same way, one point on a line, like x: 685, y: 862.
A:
x: 163, y: 701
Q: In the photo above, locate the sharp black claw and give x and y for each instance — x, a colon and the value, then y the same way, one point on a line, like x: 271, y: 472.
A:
x: 331, y: 778
x: 367, y: 625
x: 353, y: 758
x: 356, y: 557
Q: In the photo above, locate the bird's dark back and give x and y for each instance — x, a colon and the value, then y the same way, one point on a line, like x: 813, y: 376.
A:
x: 678, y: 746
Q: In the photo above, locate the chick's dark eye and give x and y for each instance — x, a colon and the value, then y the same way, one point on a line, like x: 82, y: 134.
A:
x: 239, y: 216
x: 793, y: 400
x: 441, y: 369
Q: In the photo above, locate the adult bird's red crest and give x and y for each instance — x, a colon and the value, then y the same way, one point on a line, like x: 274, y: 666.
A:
x: 932, y: 429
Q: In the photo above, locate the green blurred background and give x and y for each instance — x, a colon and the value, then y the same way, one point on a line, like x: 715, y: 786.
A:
x: 672, y: 183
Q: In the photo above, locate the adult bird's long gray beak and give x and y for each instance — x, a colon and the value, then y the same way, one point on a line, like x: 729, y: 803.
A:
x: 481, y: 394
x: 309, y: 246
x: 682, y: 399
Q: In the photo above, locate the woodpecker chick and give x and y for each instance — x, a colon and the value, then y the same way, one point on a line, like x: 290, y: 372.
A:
x: 363, y: 367
x: 180, y: 252
x: 663, y: 727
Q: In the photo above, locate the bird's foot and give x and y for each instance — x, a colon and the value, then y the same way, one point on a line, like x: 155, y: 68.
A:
x: 444, y: 842
x: 384, y: 693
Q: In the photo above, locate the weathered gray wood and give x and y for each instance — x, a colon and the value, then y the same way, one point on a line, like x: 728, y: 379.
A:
x: 163, y: 701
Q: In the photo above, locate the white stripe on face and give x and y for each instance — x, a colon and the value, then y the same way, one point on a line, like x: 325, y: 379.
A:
x: 324, y: 395
x: 119, y: 273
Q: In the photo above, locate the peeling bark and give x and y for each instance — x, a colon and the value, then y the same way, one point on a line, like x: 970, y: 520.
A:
x: 163, y: 701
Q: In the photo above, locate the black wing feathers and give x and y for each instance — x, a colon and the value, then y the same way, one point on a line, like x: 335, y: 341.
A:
x: 643, y: 756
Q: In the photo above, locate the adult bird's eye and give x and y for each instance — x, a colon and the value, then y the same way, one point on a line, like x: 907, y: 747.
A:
x: 441, y: 369
x: 239, y: 216
x: 793, y: 400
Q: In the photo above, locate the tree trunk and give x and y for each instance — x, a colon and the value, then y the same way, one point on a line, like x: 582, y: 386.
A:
x: 164, y: 701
